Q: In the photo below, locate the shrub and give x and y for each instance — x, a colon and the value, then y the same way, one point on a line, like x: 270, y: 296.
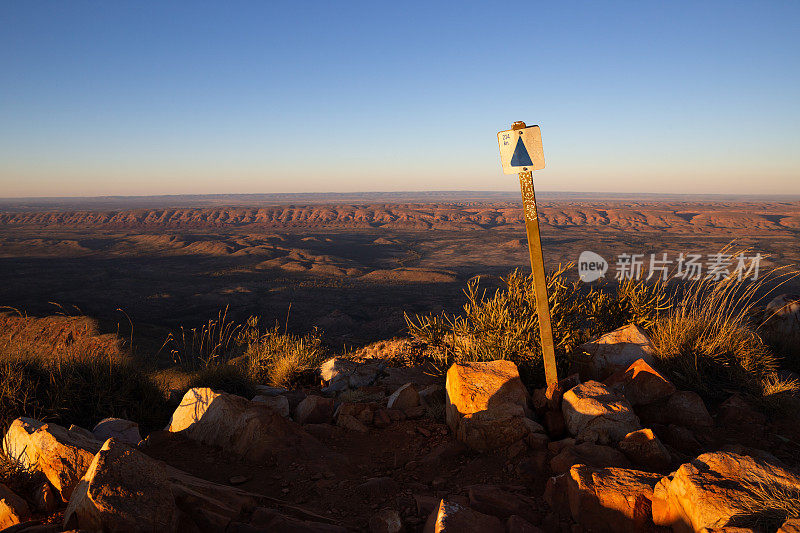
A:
x: 281, y: 359
x: 62, y: 369
x: 708, y: 339
x: 506, y: 325
x: 78, y: 392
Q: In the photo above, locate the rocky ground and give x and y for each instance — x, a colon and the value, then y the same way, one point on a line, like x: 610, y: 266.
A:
x: 612, y: 447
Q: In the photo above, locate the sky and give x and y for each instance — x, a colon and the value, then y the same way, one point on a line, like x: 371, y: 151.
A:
x: 139, y: 98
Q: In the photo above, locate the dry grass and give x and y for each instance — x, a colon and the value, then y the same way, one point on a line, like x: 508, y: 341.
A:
x: 506, y: 324
x: 62, y: 369
x: 766, y: 506
x: 210, y: 344
x: 280, y: 358
x: 708, y: 339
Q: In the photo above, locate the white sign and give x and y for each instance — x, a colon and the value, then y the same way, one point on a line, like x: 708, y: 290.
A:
x: 521, y: 150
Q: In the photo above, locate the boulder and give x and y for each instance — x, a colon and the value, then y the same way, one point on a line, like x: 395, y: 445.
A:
x: 277, y: 403
x: 314, y: 410
x: 13, y: 509
x: 614, y: 352
x: 593, y: 412
x: 404, y: 398
x: 117, y: 428
x: 61, y: 455
x: 45, y: 498
x: 451, y: 517
x: 486, y: 403
x: 645, y: 450
x: 738, y: 414
x: 432, y: 395
x: 589, y: 454
x: 682, y: 439
x: 493, y: 500
x: 718, y: 489
x: 493, y: 429
x: 611, y: 499
x: 248, y: 429
x: 686, y: 408
x: 125, y: 490
x: 386, y: 521
x: 340, y: 374
x: 554, y: 422
x: 555, y: 391
x: 83, y: 431
x: 363, y: 412
x: 640, y: 384
x: 782, y: 315
x: 267, y: 390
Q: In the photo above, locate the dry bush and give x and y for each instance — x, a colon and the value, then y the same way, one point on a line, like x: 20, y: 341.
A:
x: 213, y: 343
x: 506, y: 324
x: 79, y: 392
x: 708, y: 339
x: 280, y: 358
x: 767, y: 506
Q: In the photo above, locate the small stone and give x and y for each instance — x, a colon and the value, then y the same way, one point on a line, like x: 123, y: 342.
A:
x: 238, y: 480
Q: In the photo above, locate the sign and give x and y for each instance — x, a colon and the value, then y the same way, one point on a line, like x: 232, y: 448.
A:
x: 521, y: 150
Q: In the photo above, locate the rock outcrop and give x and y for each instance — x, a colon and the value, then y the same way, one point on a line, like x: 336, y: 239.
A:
x: 486, y: 404
x: 641, y: 384
x: 717, y: 489
x: 251, y: 430
x: 60, y: 454
x: 614, y: 352
x: 125, y: 490
x: 611, y: 500
x: 593, y: 412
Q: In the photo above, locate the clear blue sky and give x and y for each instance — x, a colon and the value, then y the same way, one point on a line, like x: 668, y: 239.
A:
x: 101, y: 98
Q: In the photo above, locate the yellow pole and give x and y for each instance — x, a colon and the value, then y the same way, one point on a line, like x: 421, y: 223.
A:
x: 537, y: 265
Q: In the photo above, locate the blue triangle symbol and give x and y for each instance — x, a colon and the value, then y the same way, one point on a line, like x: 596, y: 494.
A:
x: 521, y: 157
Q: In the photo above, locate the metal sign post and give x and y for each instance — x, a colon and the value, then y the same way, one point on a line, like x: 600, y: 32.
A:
x: 521, y: 152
